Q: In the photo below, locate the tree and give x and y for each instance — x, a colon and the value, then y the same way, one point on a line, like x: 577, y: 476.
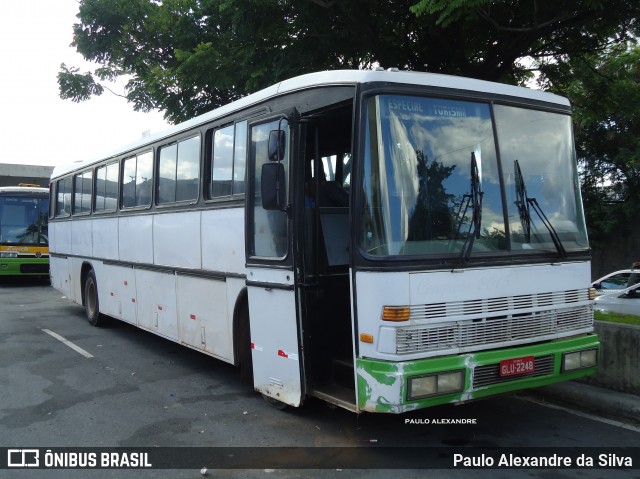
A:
x: 604, y: 89
x: 186, y: 57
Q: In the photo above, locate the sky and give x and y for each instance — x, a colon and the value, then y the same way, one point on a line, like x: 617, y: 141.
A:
x: 37, y: 127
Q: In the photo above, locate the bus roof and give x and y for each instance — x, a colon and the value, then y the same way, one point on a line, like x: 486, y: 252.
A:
x: 326, y: 78
x: 23, y: 190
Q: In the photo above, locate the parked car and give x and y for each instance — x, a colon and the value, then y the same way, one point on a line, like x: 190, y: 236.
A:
x: 626, y: 301
x: 617, y: 281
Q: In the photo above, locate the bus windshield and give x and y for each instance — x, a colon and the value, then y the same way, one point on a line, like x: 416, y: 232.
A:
x: 23, y: 220
x: 433, y: 184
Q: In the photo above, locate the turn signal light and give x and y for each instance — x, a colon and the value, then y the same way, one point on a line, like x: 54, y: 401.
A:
x: 366, y: 338
x: 396, y: 313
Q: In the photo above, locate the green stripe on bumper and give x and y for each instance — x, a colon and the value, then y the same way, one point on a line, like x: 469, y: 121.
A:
x: 11, y: 266
x: 382, y: 385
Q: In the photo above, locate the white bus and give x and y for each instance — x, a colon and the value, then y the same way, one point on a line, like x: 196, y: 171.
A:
x: 382, y: 240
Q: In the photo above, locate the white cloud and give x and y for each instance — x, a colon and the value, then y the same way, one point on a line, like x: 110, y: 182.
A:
x: 37, y: 126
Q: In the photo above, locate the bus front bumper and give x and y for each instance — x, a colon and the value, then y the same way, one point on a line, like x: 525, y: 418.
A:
x: 396, y: 387
x: 24, y: 267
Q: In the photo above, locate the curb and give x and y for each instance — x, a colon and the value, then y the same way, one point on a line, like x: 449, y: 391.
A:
x: 603, y: 402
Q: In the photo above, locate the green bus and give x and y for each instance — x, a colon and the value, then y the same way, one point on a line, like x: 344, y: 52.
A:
x: 24, y: 240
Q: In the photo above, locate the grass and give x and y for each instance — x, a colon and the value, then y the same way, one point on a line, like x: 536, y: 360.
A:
x: 617, y: 318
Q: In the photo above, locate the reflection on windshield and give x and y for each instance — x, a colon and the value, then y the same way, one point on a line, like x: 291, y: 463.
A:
x: 418, y: 177
x: 422, y: 197
x: 23, y: 220
x: 541, y: 144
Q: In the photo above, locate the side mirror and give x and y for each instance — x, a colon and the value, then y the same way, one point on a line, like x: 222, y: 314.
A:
x: 632, y: 293
x: 272, y: 185
x: 277, y: 144
x: 597, y: 285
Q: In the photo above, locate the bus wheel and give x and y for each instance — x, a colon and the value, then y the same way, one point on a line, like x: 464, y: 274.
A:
x: 91, y: 305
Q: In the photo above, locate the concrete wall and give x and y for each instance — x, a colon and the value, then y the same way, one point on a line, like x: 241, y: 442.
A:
x: 619, y: 358
x: 12, y: 175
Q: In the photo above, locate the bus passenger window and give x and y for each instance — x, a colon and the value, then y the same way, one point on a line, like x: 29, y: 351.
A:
x: 167, y: 174
x: 63, y: 198
x: 228, y: 161
x: 82, y: 196
x: 222, y: 168
x: 239, y: 157
x: 106, y: 190
x: 188, y: 169
x: 179, y: 171
x: 137, y: 177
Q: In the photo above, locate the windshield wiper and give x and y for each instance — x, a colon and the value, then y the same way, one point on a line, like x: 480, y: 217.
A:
x: 523, y: 202
x: 471, y: 200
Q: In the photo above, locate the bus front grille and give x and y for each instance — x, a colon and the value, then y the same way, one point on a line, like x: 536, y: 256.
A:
x: 34, y: 268
x: 485, y: 333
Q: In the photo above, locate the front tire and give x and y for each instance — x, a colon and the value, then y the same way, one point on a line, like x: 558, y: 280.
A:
x: 91, y: 303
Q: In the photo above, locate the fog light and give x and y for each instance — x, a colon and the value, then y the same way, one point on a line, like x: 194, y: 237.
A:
x: 579, y: 360
x: 450, y: 382
x: 589, y: 358
x: 424, y: 386
x: 435, y: 384
x: 571, y: 361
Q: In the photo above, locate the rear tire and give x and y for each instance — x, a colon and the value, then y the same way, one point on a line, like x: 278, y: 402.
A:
x: 91, y: 303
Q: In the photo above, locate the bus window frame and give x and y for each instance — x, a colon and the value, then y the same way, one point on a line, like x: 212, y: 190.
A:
x: 94, y: 198
x: 123, y: 160
x: 63, y: 214
x: 208, y: 146
x: 196, y: 133
x: 52, y: 189
x: 80, y: 174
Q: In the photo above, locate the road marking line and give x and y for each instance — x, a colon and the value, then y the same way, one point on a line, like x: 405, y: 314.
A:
x: 75, y: 347
x: 585, y: 415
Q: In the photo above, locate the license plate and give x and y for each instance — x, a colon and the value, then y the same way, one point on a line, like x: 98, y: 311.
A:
x: 515, y: 366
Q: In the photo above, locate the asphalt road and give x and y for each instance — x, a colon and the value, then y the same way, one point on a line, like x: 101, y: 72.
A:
x: 123, y: 387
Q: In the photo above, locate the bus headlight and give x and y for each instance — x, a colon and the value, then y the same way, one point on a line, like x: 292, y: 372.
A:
x: 435, y: 384
x: 8, y: 254
x: 579, y: 359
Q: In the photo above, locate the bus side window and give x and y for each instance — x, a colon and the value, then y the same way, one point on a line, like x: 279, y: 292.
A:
x: 228, y: 158
x: 137, y: 178
x: 179, y: 171
x: 106, y: 187
x: 221, y: 183
x: 63, y: 197
x: 188, y: 169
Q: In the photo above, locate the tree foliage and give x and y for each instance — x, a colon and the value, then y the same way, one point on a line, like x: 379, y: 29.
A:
x: 186, y: 57
x: 604, y: 88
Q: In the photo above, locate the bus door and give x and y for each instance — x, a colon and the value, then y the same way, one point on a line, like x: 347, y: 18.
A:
x: 324, y: 288
x: 275, y: 339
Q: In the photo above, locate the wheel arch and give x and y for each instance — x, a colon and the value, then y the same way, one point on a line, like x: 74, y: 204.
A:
x: 240, y: 314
